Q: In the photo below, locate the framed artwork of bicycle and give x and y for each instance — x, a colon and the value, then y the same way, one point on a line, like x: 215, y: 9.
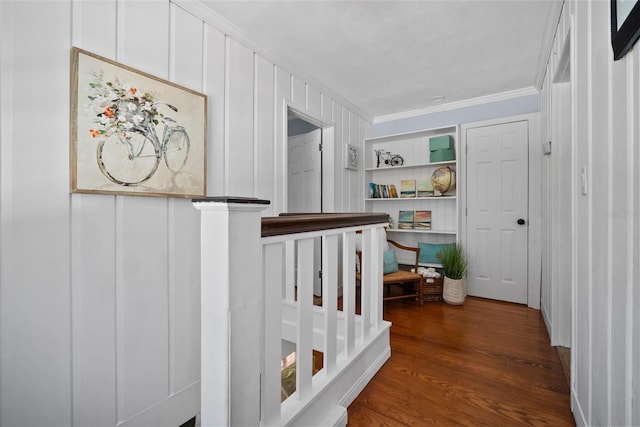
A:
x: 134, y: 133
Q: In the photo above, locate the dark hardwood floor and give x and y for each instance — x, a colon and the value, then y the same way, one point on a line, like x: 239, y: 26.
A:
x: 485, y: 363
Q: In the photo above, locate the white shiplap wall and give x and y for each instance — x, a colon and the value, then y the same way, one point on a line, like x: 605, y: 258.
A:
x: 605, y: 223
x: 100, y: 295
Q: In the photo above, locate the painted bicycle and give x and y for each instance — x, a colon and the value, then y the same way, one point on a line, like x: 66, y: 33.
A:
x: 129, y: 151
x: 388, y: 158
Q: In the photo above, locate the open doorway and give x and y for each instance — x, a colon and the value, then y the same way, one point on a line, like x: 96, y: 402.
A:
x: 304, y: 165
x: 304, y: 177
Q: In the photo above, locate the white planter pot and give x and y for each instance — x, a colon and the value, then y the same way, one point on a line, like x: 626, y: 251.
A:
x: 454, y: 291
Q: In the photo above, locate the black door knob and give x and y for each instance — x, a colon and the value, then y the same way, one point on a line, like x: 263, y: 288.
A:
x: 521, y: 221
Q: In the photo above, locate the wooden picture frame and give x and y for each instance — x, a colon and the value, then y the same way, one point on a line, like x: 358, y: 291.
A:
x: 625, y: 26
x: 134, y: 133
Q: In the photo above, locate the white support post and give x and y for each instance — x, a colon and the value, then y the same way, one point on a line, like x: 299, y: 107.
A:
x: 231, y: 310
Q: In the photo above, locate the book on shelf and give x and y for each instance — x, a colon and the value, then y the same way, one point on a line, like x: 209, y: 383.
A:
x: 372, y: 190
x: 422, y: 220
x: 405, y: 219
x: 394, y: 192
x: 408, y: 188
x: 425, y: 188
x: 382, y: 191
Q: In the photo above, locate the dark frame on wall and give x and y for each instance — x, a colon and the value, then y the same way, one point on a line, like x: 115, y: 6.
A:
x: 625, y: 26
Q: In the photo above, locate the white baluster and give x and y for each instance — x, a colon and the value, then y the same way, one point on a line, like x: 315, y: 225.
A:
x: 273, y: 262
x: 349, y: 290
x: 304, y: 339
x: 330, y: 300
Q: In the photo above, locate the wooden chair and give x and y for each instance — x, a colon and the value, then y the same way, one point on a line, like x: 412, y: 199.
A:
x: 408, y: 280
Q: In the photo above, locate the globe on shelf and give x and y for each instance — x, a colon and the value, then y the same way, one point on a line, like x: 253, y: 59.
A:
x: 443, y: 179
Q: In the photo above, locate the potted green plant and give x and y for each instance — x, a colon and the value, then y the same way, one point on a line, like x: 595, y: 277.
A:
x: 454, y: 264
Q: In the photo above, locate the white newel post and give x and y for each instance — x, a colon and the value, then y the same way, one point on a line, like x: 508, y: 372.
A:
x: 231, y: 313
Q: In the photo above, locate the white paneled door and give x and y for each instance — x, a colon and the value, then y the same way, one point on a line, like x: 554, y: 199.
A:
x: 304, y: 173
x: 497, y: 223
x: 304, y: 194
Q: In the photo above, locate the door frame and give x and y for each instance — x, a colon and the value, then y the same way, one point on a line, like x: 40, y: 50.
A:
x: 534, y: 214
x: 328, y: 153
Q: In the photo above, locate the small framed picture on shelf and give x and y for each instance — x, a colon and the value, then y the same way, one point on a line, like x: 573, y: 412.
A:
x: 408, y: 188
x: 422, y: 220
x: 405, y: 219
x: 424, y: 188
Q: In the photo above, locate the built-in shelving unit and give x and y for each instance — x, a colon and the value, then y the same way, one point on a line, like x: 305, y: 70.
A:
x: 414, y: 149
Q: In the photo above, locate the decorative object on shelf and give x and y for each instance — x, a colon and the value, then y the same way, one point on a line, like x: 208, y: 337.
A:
x: 351, y: 157
x: 408, y: 188
x: 405, y: 219
x: 454, y: 264
x: 441, y: 149
x: 125, y: 123
x: 388, y: 158
x: 625, y: 26
x: 443, y: 180
x: 424, y: 188
x: 422, y: 220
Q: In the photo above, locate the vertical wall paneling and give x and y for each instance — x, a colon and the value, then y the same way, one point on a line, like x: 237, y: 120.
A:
x: 239, y: 120
x: 264, y: 132
x: 6, y: 206
x: 354, y: 176
x: 633, y: 302
x: 601, y: 131
x: 327, y: 108
x: 298, y: 91
x: 35, y: 291
x: 314, y: 102
x: 283, y: 94
x: 337, y: 156
x: 214, y: 87
x: 94, y: 309
x: 605, y: 100
x: 618, y: 241
x: 346, y: 139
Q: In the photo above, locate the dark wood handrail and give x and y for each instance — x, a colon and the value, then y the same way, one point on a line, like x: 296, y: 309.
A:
x: 290, y: 223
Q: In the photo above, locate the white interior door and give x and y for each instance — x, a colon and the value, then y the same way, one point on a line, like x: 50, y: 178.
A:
x: 304, y: 180
x: 497, y: 207
x: 304, y: 173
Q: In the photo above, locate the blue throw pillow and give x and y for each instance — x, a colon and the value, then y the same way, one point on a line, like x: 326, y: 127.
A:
x: 390, y: 262
x: 430, y: 252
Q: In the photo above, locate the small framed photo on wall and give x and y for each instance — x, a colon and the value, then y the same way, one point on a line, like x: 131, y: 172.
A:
x: 625, y: 26
x: 351, y: 157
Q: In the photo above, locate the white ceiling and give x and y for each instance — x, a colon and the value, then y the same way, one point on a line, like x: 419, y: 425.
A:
x: 390, y: 57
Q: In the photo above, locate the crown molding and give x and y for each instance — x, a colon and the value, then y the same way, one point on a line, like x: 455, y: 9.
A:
x: 502, y: 96
x: 201, y: 11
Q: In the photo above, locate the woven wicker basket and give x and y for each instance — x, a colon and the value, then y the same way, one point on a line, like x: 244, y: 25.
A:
x: 454, y: 291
